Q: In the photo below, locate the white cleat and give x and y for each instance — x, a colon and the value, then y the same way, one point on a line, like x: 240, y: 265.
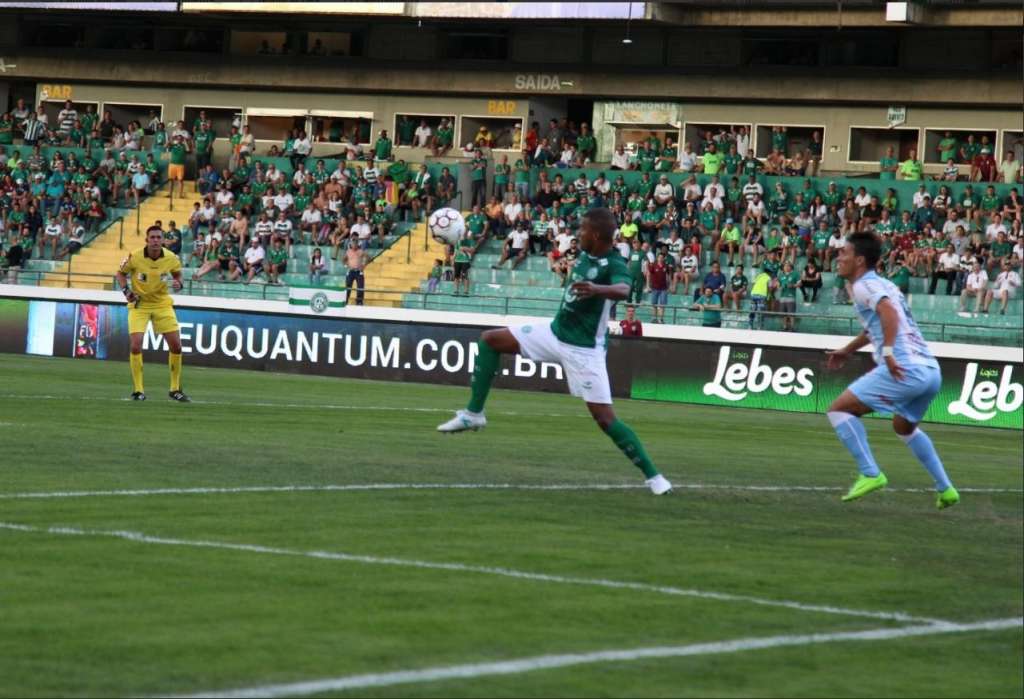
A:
x: 659, y: 485
x: 463, y: 420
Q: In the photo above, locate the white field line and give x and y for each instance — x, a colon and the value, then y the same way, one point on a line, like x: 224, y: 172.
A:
x: 408, y: 409
x: 361, y: 487
x: 141, y: 538
x: 550, y: 662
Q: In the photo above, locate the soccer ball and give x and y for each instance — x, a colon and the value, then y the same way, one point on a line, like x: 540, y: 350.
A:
x: 447, y: 226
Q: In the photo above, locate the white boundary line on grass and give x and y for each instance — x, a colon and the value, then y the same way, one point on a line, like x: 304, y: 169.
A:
x: 550, y: 662
x: 363, y: 487
x: 408, y: 409
x: 138, y: 537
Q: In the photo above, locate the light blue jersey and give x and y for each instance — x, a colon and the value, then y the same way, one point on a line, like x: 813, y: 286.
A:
x: 909, y: 347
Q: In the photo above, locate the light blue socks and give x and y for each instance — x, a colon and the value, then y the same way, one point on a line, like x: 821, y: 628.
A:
x: 924, y: 450
x: 851, y: 432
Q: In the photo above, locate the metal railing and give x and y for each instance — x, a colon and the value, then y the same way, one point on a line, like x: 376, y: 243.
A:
x: 817, y: 323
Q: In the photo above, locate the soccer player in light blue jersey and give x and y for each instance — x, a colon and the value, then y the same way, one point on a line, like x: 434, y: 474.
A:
x: 903, y: 383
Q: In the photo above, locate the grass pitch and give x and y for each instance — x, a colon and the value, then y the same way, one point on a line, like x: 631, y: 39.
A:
x: 216, y: 591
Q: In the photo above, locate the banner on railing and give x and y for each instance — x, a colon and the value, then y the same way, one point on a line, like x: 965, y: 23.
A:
x: 978, y: 391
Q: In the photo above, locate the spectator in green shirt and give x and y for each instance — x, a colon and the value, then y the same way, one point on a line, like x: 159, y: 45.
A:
x: 710, y: 306
x: 888, y: 165
x: 911, y: 168
x: 586, y: 144
x: 713, y: 160
x: 947, y: 147
x: 382, y: 147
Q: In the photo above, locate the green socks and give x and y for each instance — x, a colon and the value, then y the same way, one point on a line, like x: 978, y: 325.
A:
x: 484, y: 369
x: 626, y: 440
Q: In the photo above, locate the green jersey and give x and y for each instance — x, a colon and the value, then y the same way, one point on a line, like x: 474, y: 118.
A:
x: 939, y: 244
x: 382, y: 148
x: 1001, y: 249
x: 635, y: 265
x: 773, y: 240
x: 584, y: 322
x: 444, y: 136
x: 708, y: 219
x: 478, y: 169
x: 646, y: 158
x: 203, y: 140
x: 475, y: 224
x: 971, y: 150
x: 159, y: 139
x: 585, y: 144
x: 713, y: 163
x: 779, y: 141
x: 6, y: 132
x: 711, y: 317
x: 464, y: 250
x: 751, y: 166
x: 911, y: 169
x: 178, y: 151
x: 277, y: 256
x: 787, y: 284
x: 666, y: 165
x: 771, y: 268
x: 887, y: 174
x: 885, y: 227
x: 501, y: 173
x: 948, y: 148
x: 406, y: 130
x: 732, y: 163
x: 522, y: 172
x: 989, y: 203
x: 831, y: 197
x: 901, y: 277
x: 820, y: 239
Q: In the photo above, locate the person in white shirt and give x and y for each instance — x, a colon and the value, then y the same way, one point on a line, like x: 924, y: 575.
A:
x: 274, y: 176
x: 920, y: 195
x: 361, y: 230
x: 516, y: 244
x: 568, y: 156
x: 1009, y: 169
x: 248, y: 143
x: 714, y: 193
x: 692, y: 191
x: 310, y: 221
x: 283, y: 230
x: 339, y: 175
x: 742, y: 140
x: 620, y: 159
x: 512, y: 210
x: 582, y: 184
x: 755, y: 211
x: 299, y: 176
x: 1005, y: 288
x: 252, y: 261
x: 301, y: 147
x: 601, y: 184
x: 224, y: 196
x: 263, y: 228
x: 421, y: 137
x: 687, y: 159
x: 663, y: 191
x: 862, y: 199
x: 283, y: 201
x: 993, y: 229
x: 951, y: 224
x: 688, y: 271
x: 976, y: 286
x: 752, y: 187
x: 947, y: 268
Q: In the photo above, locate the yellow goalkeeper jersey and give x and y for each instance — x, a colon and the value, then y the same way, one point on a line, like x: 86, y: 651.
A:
x: 149, y: 277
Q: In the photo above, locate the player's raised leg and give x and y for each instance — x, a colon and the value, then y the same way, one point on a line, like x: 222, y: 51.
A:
x: 491, y: 345
x: 630, y: 445
x: 844, y: 414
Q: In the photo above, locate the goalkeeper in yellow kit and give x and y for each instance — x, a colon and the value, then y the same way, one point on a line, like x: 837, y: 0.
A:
x: 143, y: 281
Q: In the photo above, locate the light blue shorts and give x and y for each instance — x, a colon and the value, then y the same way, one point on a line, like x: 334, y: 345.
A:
x: 908, y: 398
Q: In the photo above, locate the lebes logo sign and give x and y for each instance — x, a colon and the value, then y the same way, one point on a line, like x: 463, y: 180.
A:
x: 740, y: 374
x: 987, y: 393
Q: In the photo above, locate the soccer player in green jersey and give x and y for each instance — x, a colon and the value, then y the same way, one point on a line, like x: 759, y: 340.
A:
x: 575, y: 339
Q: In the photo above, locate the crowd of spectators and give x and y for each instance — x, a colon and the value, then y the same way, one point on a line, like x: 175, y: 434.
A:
x: 676, y: 237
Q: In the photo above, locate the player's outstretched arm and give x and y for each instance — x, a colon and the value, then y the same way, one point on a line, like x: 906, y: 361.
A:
x: 612, y: 292
x: 837, y: 358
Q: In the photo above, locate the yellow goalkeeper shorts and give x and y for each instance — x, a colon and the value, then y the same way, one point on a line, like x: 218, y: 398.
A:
x: 163, y: 317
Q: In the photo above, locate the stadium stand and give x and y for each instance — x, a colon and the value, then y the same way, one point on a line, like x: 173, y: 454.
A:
x: 702, y: 204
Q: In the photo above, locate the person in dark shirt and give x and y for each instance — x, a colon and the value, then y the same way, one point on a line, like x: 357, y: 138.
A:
x: 657, y: 280
x: 713, y: 280
x: 15, y: 258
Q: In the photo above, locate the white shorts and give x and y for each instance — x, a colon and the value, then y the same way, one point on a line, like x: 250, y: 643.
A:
x: 585, y: 368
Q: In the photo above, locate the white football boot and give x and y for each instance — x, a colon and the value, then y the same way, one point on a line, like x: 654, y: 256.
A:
x: 463, y: 420
x: 659, y: 485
